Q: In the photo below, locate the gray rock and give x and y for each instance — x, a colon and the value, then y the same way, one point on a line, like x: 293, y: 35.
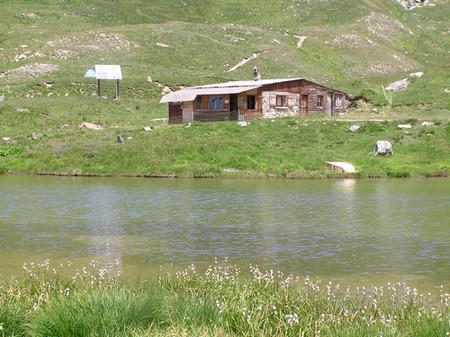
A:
x: 354, y: 128
x: 404, y: 126
x: 397, y: 86
x: 383, y: 147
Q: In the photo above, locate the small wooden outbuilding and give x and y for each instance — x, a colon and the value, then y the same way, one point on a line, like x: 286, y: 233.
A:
x: 241, y: 100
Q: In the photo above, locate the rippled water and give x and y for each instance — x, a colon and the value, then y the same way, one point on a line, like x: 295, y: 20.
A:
x: 351, y: 231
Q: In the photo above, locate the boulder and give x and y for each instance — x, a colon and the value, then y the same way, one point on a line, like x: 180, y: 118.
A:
x: 340, y: 167
x: 397, y: 86
x: 404, y: 126
x: 383, y: 147
x: 418, y: 74
x: 354, y: 128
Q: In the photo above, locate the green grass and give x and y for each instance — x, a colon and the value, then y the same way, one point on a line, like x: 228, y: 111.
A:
x: 55, y: 142
x: 218, y: 301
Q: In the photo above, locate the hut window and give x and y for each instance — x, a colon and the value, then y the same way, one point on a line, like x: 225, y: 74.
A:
x: 251, y: 102
x: 282, y: 101
x: 320, y: 101
x: 338, y: 101
x: 215, y: 103
x: 198, y: 102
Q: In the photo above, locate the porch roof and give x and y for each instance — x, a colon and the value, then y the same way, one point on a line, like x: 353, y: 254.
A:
x: 189, y: 94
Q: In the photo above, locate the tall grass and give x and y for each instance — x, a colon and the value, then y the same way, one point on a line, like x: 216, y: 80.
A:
x: 219, y: 301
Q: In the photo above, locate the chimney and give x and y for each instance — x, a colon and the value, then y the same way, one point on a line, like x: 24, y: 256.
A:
x: 256, y: 74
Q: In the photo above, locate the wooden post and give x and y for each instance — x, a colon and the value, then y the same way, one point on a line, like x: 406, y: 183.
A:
x: 117, y: 89
x: 98, y: 87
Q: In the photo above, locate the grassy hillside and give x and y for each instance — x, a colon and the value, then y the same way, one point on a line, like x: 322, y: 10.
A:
x: 358, y: 47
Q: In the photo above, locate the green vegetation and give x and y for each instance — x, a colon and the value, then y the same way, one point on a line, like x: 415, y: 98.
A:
x: 47, y: 46
x: 292, y: 148
x: 219, y: 301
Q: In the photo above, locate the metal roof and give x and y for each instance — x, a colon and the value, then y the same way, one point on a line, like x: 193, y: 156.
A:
x: 189, y: 94
x: 233, y: 87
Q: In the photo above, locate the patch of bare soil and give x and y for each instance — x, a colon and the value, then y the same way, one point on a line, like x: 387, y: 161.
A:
x: 94, y: 41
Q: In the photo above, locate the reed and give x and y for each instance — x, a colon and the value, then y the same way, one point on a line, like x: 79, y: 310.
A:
x: 219, y: 301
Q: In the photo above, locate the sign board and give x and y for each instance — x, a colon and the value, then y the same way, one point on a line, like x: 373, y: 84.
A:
x: 108, y: 72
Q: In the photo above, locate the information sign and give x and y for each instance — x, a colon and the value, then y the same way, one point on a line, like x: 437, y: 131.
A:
x: 108, y: 72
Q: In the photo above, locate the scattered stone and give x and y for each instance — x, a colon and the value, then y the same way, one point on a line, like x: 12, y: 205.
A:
x: 397, y: 86
x: 404, y: 126
x: 383, y: 147
x: 147, y: 128
x: 149, y: 79
x: 29, y: 16
x: 7, y: 139
x: 20, y: 57
x: 354, y: 128
x: 242, y: 123
x: 159, y: 44
x: 411, y: 4
x: 418, y: 74
x: 34, y: 69
x: 426, y: 124
x: 120, y: 140
x: 2, y: 98
x: 300, y: 41
x: 91, y: 126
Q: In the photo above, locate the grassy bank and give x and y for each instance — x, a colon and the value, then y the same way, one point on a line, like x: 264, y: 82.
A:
x: 219, y: 301
x: 51, y: 138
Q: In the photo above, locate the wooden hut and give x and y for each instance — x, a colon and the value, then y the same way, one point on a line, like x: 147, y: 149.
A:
x: 240, y: 100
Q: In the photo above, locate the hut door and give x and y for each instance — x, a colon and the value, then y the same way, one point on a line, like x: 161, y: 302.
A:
x: 304, y: 109
x: 234, y: 107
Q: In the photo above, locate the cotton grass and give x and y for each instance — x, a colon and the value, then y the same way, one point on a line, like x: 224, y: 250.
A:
x: 221, y: 300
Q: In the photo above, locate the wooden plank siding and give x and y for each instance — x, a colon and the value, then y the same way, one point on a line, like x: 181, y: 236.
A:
x: 289, y: 98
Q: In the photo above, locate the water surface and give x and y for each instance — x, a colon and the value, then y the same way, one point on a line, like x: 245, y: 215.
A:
x: 349, y: 231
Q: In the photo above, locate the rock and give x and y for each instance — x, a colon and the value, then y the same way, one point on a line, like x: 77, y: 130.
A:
x: 418, y: 74
x: 383, y: 147
x: 397, y: 86
x: 147, y: 128
x: 91, y: 126
x: 7, y: 139
x: 340, y: 167
x: 354, y: 128
x: 242, y: 123
x: 2, y: 98
x: 120, y: 139
x: 404, y: 126
x: 426, y: 124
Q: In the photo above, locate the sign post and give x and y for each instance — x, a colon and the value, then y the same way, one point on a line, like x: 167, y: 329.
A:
x: 108, y: 72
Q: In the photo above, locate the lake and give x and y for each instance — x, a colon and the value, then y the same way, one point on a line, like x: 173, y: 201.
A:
x: 348, y: 231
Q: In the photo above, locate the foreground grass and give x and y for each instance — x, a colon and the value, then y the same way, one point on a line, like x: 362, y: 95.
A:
x: 217, y: 302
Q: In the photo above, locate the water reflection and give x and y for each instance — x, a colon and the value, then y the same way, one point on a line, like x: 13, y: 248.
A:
x: 106, y: 231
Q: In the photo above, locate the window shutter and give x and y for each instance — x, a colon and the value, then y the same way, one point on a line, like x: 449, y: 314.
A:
x: 273, y: 100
